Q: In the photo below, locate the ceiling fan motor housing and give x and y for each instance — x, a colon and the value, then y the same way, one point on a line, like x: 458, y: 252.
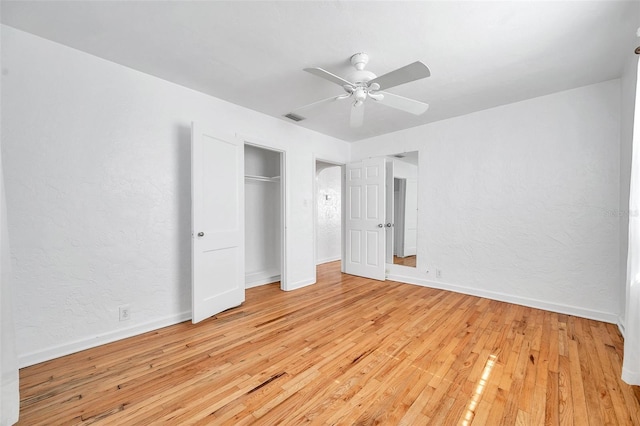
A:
x: 360, y: 60
x: 359, y: 75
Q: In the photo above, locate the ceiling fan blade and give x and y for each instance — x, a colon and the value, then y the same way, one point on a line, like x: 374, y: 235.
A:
x: 357, y: 116
x: 328, y: 76
x: 406, y: 74
x: 322, y: 101
x: 404, y: 104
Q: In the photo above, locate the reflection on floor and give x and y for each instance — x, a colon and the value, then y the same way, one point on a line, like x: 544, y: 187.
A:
x: 405, y: 261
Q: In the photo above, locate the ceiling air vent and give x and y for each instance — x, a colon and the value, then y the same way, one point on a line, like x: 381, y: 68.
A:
x: 294, y: 117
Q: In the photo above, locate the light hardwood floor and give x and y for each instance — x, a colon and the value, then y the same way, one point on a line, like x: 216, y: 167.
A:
x: 405, y: 261
x: 346, y: 351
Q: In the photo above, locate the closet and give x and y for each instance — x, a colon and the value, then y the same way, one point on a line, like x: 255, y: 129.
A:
x: 263, y: 215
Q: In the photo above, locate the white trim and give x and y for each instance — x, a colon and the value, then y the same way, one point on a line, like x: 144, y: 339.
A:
x: 503, y: 297
x: 328, y: 259
x: 300, y: 284
x: 621, y: 325
x: 261, y: 278
x: 25, y: 360
x: 284, y: 242
x: 314, y: 222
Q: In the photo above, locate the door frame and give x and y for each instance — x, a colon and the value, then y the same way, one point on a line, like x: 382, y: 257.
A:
x: 400, y: 208
x: 248, y: 140
x: 315, y: 210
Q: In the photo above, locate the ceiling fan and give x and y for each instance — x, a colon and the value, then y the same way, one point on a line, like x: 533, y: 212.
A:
x: 362, y: 85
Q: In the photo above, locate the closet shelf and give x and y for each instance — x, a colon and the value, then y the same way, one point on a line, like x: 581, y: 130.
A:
x: 262, y: 178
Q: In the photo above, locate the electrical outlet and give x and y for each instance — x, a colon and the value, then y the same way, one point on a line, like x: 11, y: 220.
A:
x: 125, y: 313
x: 438, y: 273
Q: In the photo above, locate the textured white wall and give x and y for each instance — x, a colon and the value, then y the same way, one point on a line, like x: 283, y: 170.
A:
x: 97, y: 169
x: 328, y: 240
x: 516, y: 202
x: 9, y: 376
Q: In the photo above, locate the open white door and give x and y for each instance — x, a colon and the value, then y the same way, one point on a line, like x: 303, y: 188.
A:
x: 365, y: 214
x: 217, y: 209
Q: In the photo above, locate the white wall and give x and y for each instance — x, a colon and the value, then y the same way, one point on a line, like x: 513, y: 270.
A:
x: 97, y: 172
x: 328, y: 240
x: 516, y: 202
x: 9, y: 376
x: 261, y: 162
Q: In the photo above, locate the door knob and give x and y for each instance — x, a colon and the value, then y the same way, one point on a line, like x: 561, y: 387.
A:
x: 380, y: 225
x: 200, y: 234
x: 389, y: 225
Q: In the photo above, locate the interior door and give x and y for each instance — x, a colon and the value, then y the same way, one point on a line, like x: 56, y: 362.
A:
x: 365, y: 214
x: 217, y: 235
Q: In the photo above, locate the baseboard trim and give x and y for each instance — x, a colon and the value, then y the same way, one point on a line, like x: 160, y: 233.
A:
x: 262, y: 281
x: 621, y: 326
x: 25, y: 360
x: 503, y: 297
x: 300, y: 284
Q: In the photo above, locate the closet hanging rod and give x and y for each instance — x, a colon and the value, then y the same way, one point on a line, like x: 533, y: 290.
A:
x: 262, y: 178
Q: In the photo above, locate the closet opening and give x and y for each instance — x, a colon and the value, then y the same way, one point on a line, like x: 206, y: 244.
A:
x: 328, y: 212
x: 264, y: 216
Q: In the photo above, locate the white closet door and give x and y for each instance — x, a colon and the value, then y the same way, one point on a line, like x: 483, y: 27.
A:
x: 365, y: 225
x: 217, y: 208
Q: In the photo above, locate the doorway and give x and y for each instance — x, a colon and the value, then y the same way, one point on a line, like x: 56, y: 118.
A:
x: 328, y: 212
x: 381, y: 211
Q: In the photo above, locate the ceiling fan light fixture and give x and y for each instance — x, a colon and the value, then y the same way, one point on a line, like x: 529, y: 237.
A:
x: 360, y: 94
x: 357, y: 103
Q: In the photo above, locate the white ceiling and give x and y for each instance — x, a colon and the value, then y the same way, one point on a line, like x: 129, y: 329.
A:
x: 481, y: 54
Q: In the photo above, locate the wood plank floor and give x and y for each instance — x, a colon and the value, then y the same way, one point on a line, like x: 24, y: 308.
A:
x: 346, y: 351
x: 405, y: 261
